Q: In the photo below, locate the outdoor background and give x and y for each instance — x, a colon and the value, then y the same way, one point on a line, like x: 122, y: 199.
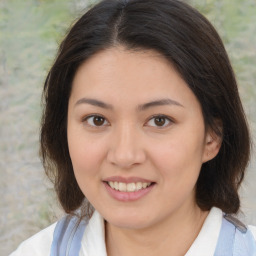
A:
x: 30, y: 31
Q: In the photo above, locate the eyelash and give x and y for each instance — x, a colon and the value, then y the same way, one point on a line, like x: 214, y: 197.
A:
x: 85, y: 120
x: 166, y: 118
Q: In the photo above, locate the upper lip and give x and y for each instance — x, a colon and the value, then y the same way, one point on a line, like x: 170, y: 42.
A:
x: 127, y: 179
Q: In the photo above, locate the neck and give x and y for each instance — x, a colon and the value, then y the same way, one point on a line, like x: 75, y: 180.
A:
x: 173, y: 236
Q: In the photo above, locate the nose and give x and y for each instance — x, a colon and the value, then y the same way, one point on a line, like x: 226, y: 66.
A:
x: 126, y: 147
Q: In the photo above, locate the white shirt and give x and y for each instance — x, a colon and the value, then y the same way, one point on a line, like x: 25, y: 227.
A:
x: 93, y: 241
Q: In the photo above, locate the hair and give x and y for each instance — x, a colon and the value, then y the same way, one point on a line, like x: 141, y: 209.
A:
x: 189, y: 41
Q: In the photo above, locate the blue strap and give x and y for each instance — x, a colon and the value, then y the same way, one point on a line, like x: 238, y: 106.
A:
x: 67, y: 236
x: 244, y: 244
x: 226, y: 239
x: 234, y: 240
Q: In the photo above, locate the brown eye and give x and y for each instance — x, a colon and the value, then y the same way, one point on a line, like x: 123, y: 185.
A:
x: 160, y: 121
x: 96, y: 120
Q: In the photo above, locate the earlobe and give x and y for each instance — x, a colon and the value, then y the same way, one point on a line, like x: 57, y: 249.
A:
x: 212, y: 146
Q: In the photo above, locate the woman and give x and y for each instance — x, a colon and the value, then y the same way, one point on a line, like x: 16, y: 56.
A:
x: 143, y: 123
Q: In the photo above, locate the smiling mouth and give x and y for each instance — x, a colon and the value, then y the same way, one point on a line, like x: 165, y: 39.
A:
x: 129, y: 187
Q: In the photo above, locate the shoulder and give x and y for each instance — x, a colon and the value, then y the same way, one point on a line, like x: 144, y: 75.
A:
x: 37, y: 245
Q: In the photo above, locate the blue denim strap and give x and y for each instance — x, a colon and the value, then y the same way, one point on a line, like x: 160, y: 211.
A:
x: 67, y: 236
x: 234, y: 240
x: 226, y: 239
x: 244, y: 244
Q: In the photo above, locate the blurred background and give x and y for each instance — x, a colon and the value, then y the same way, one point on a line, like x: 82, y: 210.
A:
x: 30, y: 32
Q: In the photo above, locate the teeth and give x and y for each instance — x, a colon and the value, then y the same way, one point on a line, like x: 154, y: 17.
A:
x: 139, y: 185
x: 128, y: 187
x: 144, y: 185
x: 111, y: 184
x: 122, y: 187
x: 116, y: 185
x: 131, y: 187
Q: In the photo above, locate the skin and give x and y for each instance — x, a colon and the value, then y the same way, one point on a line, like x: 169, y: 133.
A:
x: 127, y: 141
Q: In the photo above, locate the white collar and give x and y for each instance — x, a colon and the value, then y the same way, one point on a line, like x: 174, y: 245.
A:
x: 93, y: 242
x: 207, y: 239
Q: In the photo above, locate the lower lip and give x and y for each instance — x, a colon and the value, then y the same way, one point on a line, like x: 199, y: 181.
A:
x: 128, y: 196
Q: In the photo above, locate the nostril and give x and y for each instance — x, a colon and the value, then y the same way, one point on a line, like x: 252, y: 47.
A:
x: 126, y: 156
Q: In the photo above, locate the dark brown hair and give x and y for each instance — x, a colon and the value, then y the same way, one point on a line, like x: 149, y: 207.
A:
x: 187, y: 39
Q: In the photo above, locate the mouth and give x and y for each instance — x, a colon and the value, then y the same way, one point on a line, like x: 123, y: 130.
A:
x: 129, y: 187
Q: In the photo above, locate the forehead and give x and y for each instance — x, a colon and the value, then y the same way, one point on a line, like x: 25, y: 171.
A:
x: 121, y: 60
x: 118, y: 73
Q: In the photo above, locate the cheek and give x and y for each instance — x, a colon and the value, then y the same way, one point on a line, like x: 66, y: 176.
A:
x: 180, y: 158
x: 85, y: 157
x: 85, y: 152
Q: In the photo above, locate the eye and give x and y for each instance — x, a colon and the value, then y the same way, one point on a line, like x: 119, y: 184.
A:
x: 95, y: 120
x: 159, y: 121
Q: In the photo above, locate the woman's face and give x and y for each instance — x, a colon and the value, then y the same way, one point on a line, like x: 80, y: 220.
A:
x: 136, y: 137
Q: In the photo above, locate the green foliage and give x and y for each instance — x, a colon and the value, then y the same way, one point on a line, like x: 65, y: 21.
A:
x: 30, y: 30
x: 235, y: 21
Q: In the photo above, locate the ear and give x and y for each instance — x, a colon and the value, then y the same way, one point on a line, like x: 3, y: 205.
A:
x: 212, y: 143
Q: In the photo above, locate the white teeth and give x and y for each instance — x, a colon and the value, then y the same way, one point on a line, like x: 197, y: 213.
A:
x: 128, y: 187
x: 111, y: 184
x: 139, y: 185
x: 144, y: 185
x: 122, y: 187
x: 116, y: 185
x: 131, y: 187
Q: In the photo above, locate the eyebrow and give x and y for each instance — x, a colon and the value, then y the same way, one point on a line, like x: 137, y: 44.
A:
x: 94, y: 102
x: 141, y: 107
x: 160, y: 102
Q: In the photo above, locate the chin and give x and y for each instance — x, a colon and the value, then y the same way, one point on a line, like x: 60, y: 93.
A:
x: 131, y: 224
x: 129, y: 221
